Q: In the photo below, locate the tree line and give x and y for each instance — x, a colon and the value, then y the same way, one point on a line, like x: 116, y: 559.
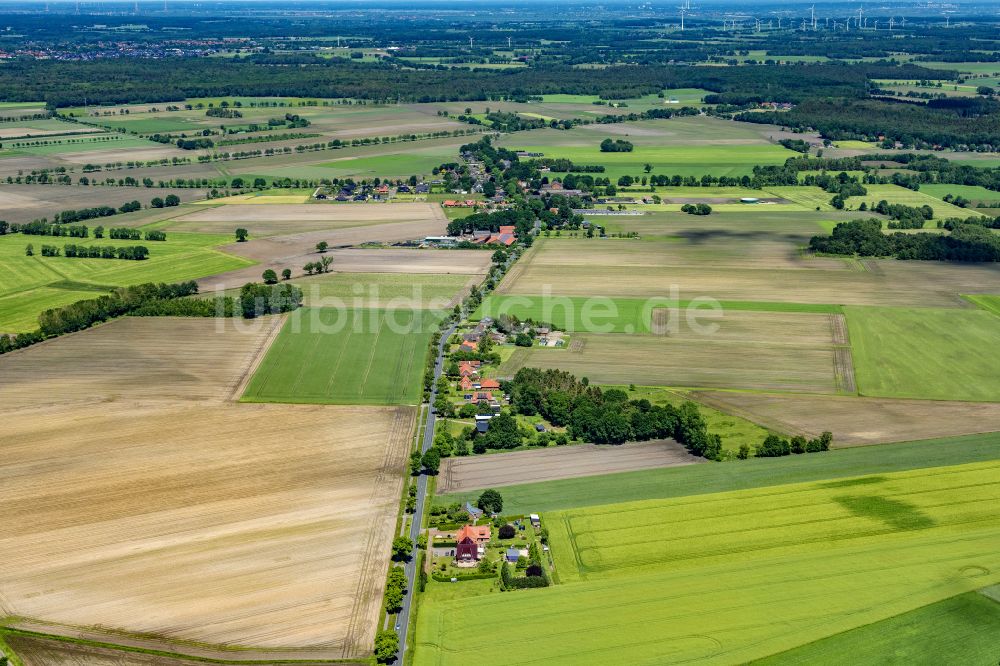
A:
x: 967, y: 242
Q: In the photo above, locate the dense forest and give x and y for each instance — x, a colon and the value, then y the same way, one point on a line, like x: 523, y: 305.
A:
x: 73, y: 83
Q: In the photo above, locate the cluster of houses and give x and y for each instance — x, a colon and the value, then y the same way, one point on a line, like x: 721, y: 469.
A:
x: 505, y: 236
x: 476, y: 390
x: 364, y: 192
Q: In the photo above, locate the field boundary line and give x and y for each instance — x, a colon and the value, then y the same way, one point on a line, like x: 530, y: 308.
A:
x: 257, y: 358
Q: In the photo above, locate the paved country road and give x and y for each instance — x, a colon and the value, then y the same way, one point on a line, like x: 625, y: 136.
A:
x: 403, y: 619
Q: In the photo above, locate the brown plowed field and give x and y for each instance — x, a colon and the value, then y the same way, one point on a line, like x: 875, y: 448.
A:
x: 564, y: 462
x: 857, y: 421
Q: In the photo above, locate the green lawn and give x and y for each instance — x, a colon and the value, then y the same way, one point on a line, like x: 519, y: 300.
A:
x: 614, y: 315
x: 743, y: 474
x: 731, y: 577
x: 941, y: 354
x: 183, y: 256
x: 381, y: 290
x: 959, y: 630
x: 333, y: 356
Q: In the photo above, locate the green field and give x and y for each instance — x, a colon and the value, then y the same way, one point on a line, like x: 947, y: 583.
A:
x: 985, y: 301
x: 741, y: 475
x: 330, y: 356
x: 731, y: 577
x: 19, y: 312
x: 959, y: 630
x: 925, y: 353
x: 381, y: 290
x: 84, y: 144
x: 678, y: 146
x: 895, y: 194
x: 614, y: 315
x: 973, y: 193
x: 181, y: 257
x: 151, y: 125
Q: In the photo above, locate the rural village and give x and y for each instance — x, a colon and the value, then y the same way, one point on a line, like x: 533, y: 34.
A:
x: 334, y: 335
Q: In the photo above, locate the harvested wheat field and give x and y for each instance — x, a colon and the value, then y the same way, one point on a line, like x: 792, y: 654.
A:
x: 138, y: 498
x: 137, y: 358
x: 858, y: 421
x: 564, y: 462
x: 351, y: 260
x: 248, y: 525
x: 276, y: 219
x: 750, y: 350
x: 550, y: 266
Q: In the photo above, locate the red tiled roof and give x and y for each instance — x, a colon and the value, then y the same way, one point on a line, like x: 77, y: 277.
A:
x: 489, y: 384
x: 474, y: 532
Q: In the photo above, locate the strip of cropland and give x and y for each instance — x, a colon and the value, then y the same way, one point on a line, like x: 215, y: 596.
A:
x: 773, y: 568
x: 744, y: 474
x: 334, y: 356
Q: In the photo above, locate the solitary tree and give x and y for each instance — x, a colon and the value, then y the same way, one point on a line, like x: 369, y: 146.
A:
x: 491, y: 501
x: 431, y: 461
x: 324, y: 264
x: 270, y: 277
x: 29, y: 251
x: 386, y: 646
x: 157, y: 202
x: 401, y: 548
x: 241, y: 235
x: 286, y: 274
x: 321, y: 246
x: 172, y: 200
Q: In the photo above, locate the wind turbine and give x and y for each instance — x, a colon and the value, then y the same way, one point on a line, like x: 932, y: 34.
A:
x: 683, y: 11
x: 812, y: 14
x: 757, y: 22
x: 892, y: 23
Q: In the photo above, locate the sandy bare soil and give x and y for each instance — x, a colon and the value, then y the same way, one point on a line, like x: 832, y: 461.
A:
x: 40, y: 651
x: 14, y: 132
x: 858, y: 421
x: 135, y: 358
x: 564, y: 462
x: 252, y: 525
x: 137, y: 497
x: 332, y: 215
x: 23, y: 203
x: 464, y: 262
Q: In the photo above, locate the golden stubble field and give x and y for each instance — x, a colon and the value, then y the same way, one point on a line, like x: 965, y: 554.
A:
x: 137, y: 497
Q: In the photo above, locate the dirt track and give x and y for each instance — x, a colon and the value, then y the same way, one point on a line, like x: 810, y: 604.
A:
x: 564, y: 462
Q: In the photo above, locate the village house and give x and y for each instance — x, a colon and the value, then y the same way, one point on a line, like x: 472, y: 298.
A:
x: 471, y: 543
